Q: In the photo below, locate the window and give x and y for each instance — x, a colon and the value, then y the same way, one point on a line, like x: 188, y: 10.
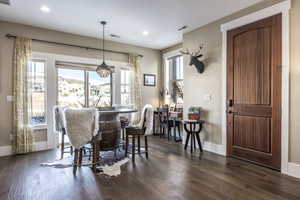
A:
x: 178, y: 68
x: 83, y: 88
x: 37, y: 89
x: 176, y: 78
x: 71, y: 88
x: 125, y: 86
x: 99, y: 90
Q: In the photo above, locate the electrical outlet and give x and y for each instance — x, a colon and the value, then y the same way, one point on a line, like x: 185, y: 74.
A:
x: 9, y: 98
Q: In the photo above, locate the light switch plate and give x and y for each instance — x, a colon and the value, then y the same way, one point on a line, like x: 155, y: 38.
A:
x: 207, y: 97
x: 10, y: 98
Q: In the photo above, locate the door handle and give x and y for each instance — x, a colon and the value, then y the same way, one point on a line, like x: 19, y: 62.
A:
x: 230, y: 102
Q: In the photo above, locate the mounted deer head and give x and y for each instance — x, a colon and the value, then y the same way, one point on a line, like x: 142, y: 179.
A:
x: 195, y: 59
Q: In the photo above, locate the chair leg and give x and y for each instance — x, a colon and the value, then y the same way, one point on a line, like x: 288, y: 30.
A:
x: 115, y: 152
x: 126, y: 146
x: 71, y: 150
x: 80, y: 157
x: 95, y: 156
x: 124, y: 138
x: 62, y: 146
x: 139, y: 144
x: 195, y: 141
x: 162, y: 132
x: 75, y: 162
x: 133, y: 148
x: 90, y: 153
x: 146, y: 146
x: 179, y: 131
x: 174, y: 128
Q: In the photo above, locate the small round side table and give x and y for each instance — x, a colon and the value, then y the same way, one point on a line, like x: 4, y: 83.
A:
x: 193, y: 129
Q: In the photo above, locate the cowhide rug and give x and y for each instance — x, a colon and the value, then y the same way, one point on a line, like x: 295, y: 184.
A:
x: 110, y: 164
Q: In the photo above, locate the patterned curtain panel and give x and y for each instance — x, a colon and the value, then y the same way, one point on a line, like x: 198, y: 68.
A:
x: 23, y: 132
x: 136, y: 95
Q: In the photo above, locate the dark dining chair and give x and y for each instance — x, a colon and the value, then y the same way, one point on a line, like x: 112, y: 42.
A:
x: 167, y: 124
x: 139, y: 131
x: 164, y: 122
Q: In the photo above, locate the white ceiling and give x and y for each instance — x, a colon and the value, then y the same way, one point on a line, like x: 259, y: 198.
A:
x: 127, y: 18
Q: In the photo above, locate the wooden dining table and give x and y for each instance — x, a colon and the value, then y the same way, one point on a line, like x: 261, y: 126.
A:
x: 112, y: 114
x: 110, y: 126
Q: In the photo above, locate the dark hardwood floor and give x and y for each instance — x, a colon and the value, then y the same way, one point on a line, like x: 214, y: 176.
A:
x: 170, y: 173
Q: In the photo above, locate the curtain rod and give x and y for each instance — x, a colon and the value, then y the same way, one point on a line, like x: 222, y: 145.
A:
x: 77, y: 46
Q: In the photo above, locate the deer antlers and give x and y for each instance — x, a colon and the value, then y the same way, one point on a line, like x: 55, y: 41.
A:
x: 196, y: 54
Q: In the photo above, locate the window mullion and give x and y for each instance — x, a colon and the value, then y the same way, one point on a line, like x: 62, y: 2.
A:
x: 86, y: 88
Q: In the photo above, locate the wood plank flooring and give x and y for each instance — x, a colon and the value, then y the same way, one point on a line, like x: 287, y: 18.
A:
x: 169, y: 174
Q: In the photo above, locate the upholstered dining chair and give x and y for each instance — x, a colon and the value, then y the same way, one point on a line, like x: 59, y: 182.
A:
x: 59, y: 127
x: 82, y: 126
x: 144, y: 128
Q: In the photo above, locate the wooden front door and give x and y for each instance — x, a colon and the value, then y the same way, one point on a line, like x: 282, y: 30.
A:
x: 254, y: 92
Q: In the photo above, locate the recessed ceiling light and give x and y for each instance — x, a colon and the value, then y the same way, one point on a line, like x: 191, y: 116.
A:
x: 45, y: 9
x: 145, y: 33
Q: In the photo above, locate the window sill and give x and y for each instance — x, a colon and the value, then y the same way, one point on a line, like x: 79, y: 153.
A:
x: 40, y: 127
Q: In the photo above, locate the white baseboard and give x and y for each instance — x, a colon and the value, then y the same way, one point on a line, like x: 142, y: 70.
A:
x: 293, y: 170
x: 41, y: 146
x: 7, y: 150
x: 214, y: 148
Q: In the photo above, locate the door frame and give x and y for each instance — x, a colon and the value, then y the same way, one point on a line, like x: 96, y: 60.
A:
x: 282, y: 8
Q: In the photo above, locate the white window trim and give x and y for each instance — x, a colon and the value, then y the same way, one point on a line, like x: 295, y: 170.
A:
x: 166, y: 68
x: 172, y: 54
x: 51, y: 84
x: 282, y: 8
x: 44, y: 125
x: 126, y: 68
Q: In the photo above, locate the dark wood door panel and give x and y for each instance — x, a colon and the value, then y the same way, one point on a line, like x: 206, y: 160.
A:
x: 254, y: 92
x: 253, y: 110
x: 252, y: 133
x: 252, y: 77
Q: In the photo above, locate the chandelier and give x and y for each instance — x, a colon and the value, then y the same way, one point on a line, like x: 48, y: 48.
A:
x: 104, y: 70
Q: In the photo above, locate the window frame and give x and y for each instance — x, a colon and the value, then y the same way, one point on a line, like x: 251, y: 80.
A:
x: 169, y: 74
x: 129, y: 84
x: 86, y: 84
x: 87, y: 79
x: 42, y: 126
